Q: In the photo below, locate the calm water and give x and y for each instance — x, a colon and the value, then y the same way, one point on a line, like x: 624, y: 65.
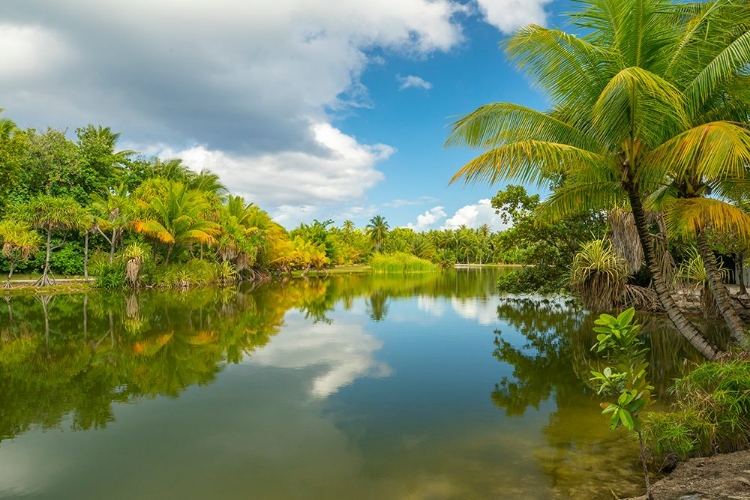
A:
x: 348, y: 387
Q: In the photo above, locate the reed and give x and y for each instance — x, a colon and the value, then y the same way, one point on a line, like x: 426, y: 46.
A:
x: 400, y: 263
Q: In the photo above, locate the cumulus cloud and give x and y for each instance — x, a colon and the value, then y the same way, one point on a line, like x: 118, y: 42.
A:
x: 509, y: 15
x: 428, y: 219
x: 214, y: 73
x: 475, y: 215
x: 297, y: 183
x: 411, y: 81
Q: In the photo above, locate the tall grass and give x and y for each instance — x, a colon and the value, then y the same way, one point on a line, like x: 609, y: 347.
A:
x: 711, y: 414
x: 400, y: 263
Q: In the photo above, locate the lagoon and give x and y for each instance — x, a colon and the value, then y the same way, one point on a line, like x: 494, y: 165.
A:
x: 431, y: 386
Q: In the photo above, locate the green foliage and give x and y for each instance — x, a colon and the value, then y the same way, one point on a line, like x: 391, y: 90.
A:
x: 618, y: 340
x: 711, y: 413
x: 111, y: 276
x: 533, y: 279
x: 400, y: 262
x: 547, y: 246
x: 67, y: 260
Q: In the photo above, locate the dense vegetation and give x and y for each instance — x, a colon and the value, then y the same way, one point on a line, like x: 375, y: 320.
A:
x: 78, y: 206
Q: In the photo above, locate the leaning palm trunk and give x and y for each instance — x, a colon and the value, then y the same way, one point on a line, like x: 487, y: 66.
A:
x: 719, y: 291
x: 684, y: 326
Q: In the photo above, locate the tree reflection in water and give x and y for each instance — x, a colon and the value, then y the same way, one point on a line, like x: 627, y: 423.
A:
x: 551, y: 364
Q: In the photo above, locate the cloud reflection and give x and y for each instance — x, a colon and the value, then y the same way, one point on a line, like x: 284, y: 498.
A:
x: 345, y: 349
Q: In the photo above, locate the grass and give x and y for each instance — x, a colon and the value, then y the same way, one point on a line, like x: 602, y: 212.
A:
x: 399, y: 263
x: 711, y: 414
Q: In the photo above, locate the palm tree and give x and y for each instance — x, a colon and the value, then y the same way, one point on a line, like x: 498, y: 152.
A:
x: 208, y: 183
x: 377, y: 229
x: 629, y: 98
x: 19, y: 242
x: 50, y: 213
x: 177, y: 218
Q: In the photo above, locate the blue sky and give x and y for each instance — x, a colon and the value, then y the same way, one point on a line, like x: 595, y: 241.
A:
x: 310, y: 109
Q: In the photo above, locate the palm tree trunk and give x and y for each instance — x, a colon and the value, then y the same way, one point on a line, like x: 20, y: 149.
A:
x: 86, y: 256
x: 112, y: 245
x: 169, y: 253
x: 683, y: 325
x: 741, y: 273
x: 44, y: 280
x: 10, y: 274
x: 721, y: 296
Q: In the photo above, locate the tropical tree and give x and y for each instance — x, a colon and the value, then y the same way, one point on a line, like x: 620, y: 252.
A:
x: 13, y: 144
x: 96, y: 147
x: 377, y: 229
x: 49, y: 214
x: 19, y: 242
x: 112, y: 215
x: 632, y: 107
x: 178, y: 217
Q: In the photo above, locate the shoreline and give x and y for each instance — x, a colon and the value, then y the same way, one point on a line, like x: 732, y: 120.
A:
x: 721, y: 476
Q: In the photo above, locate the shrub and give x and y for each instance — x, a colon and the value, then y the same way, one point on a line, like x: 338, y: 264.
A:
x: 111, y: 276
x: 598, y: 276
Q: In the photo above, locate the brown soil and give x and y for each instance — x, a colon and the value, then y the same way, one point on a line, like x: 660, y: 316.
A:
x: 721, y: 477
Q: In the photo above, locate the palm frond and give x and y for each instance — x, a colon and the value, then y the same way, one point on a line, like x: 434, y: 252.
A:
x: 686, y: 216
x: 637, y: 103
x: 501, y: 123
x: 529, y: 162
x: 708, y: 152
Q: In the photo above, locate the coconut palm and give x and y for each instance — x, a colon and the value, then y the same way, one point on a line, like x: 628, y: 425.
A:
x: 629, y: 99
x: 176, y: 218
x: 377, y: 229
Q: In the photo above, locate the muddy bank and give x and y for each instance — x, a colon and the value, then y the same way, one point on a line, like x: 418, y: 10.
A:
x: 721, y: 477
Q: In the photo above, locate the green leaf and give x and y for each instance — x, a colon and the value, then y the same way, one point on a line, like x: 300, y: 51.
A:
x: 626, y: 316
x: 627, y: 419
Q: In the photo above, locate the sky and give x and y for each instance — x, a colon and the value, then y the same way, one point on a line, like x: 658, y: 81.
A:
x: 311, y: 109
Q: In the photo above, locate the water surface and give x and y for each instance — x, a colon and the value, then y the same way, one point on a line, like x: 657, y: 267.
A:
x: 361, y: 387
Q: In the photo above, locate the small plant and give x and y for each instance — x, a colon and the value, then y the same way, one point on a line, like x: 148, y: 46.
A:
x: 618, y: 341
x: 599, y: 276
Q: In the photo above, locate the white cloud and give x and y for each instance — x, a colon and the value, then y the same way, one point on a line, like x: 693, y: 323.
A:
x: 475, y: 215
x: 428, y: 219
x: 28, y: 52
x: 296, y: 183
x: 411, y: 81
x: 345, y: 350
x: 509, y: 15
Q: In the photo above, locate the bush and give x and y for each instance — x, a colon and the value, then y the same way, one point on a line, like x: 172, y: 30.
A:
x: 711, y: 414
x: 68, y: 260
x: 111, y: 276
x: 400, y: 262
x: 534, y: 279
